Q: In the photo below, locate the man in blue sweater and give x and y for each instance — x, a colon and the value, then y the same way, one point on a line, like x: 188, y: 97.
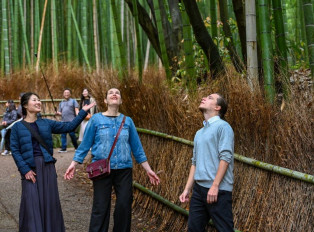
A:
x: 211, y: 170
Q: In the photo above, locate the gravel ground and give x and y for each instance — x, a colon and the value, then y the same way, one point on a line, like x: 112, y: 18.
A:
x: 75, y: 196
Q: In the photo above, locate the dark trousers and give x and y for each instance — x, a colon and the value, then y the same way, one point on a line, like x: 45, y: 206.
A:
x: 200, y: 211
x: 64, y: 140
x: 7, y: 140
x: 121, y: 180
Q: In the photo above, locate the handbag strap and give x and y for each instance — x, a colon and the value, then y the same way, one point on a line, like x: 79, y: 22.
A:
x: 116, y: 139
x: 36, y: 136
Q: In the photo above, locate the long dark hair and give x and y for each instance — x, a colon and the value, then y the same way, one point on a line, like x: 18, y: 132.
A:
x: 82, y: 98
x: 24, y: 101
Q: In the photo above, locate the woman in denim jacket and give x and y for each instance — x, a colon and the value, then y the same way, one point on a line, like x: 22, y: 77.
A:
x: 99, y: 135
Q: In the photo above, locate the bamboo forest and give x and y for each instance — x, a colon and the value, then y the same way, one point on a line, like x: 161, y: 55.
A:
x: 164, y: 61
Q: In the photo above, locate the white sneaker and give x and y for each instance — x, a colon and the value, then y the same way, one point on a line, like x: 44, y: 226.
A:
x: 6, y: 152
x: 62, y: 150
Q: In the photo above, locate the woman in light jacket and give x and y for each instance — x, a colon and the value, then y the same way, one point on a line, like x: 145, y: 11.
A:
x: 99, y: 136
x: 86, y: 99
x: 40, y: 209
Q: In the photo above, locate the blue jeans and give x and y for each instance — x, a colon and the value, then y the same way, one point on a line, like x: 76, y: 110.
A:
x: 64, y: 140
x: 3, y: 132
x: 200, y: 211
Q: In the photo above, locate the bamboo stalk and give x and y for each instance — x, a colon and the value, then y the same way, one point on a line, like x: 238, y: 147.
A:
x: 253, y: 162
x: 166, y: 202
x: 5, y: 38
x: 41, y: 36
x: 80, y: 39
x: 96, y: 45
x: 24, y: 32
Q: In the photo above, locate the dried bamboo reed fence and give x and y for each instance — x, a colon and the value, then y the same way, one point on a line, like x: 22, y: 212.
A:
x: 262, y: 200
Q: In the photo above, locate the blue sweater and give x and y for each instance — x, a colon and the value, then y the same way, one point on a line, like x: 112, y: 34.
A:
x: 21, y: 140
x: 213, y: 143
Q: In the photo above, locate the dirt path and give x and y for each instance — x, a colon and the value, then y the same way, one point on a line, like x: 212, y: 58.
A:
x: 75, y: 196
x: 76, y: 201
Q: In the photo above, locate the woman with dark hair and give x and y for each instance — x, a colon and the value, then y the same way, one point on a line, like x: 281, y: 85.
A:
x: 32, y: 149
x: 86, y: 99
x: 99, y: 136
x: 9, y: 117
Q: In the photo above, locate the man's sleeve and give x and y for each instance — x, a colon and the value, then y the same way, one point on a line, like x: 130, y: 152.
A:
x: 76, y: 105
x: 226, y: 143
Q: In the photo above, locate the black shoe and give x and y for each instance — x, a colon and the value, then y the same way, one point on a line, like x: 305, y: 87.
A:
x: 62, y: 150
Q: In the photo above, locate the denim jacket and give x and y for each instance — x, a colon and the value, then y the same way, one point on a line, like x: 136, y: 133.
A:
x: 99, y: 135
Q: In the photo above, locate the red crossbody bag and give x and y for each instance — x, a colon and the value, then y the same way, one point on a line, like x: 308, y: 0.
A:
x: 101, y: 168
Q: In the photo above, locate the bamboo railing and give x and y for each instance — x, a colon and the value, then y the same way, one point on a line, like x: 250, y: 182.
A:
x: 250, y: 161
x: 253, y: 162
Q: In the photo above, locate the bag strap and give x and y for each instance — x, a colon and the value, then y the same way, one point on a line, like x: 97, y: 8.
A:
x: 116, y: 139
x: 36, y: 136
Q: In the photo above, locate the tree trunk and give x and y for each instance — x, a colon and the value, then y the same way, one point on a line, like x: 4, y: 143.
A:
x: 213, y: 19
x: 138, y: 42
x: 204, y: 39
x: 252, y: 62
x: 15, y: 49
x: 95, y: 27
x: 176, y: 25
x: 69, y: 32
x: 161, y: 38
x: 5, y: 38
x: 28, y: 59
x: 54, y: 37
x: 121, y: 46
x: 266, y: 47
x: 190, y: 78
x: 238, y: 9
x: 147, y: 25
x: 84, y: 23
x: 235, y: 58
x: 80, y: 39
x: 281, y: 45
x: 40, y: 36
x: 309, y: 25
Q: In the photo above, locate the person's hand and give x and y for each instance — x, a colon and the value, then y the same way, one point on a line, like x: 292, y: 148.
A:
x: 212, y: 194
x: 184, y: 197
x: 58, y: 113
x: 69, y: 174
x: 87, y: 107
x: 31, y: 176
x: 153, y: 178
x: 4, y: 123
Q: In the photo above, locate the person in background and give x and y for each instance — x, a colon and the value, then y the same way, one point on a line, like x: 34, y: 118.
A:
x: 9, y: 117
x: 40, y: 208
x: 99, y: 136
x: 68, y: 109
x: 86, y: 99
x: 19, y: 108
x: 212, y: 169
